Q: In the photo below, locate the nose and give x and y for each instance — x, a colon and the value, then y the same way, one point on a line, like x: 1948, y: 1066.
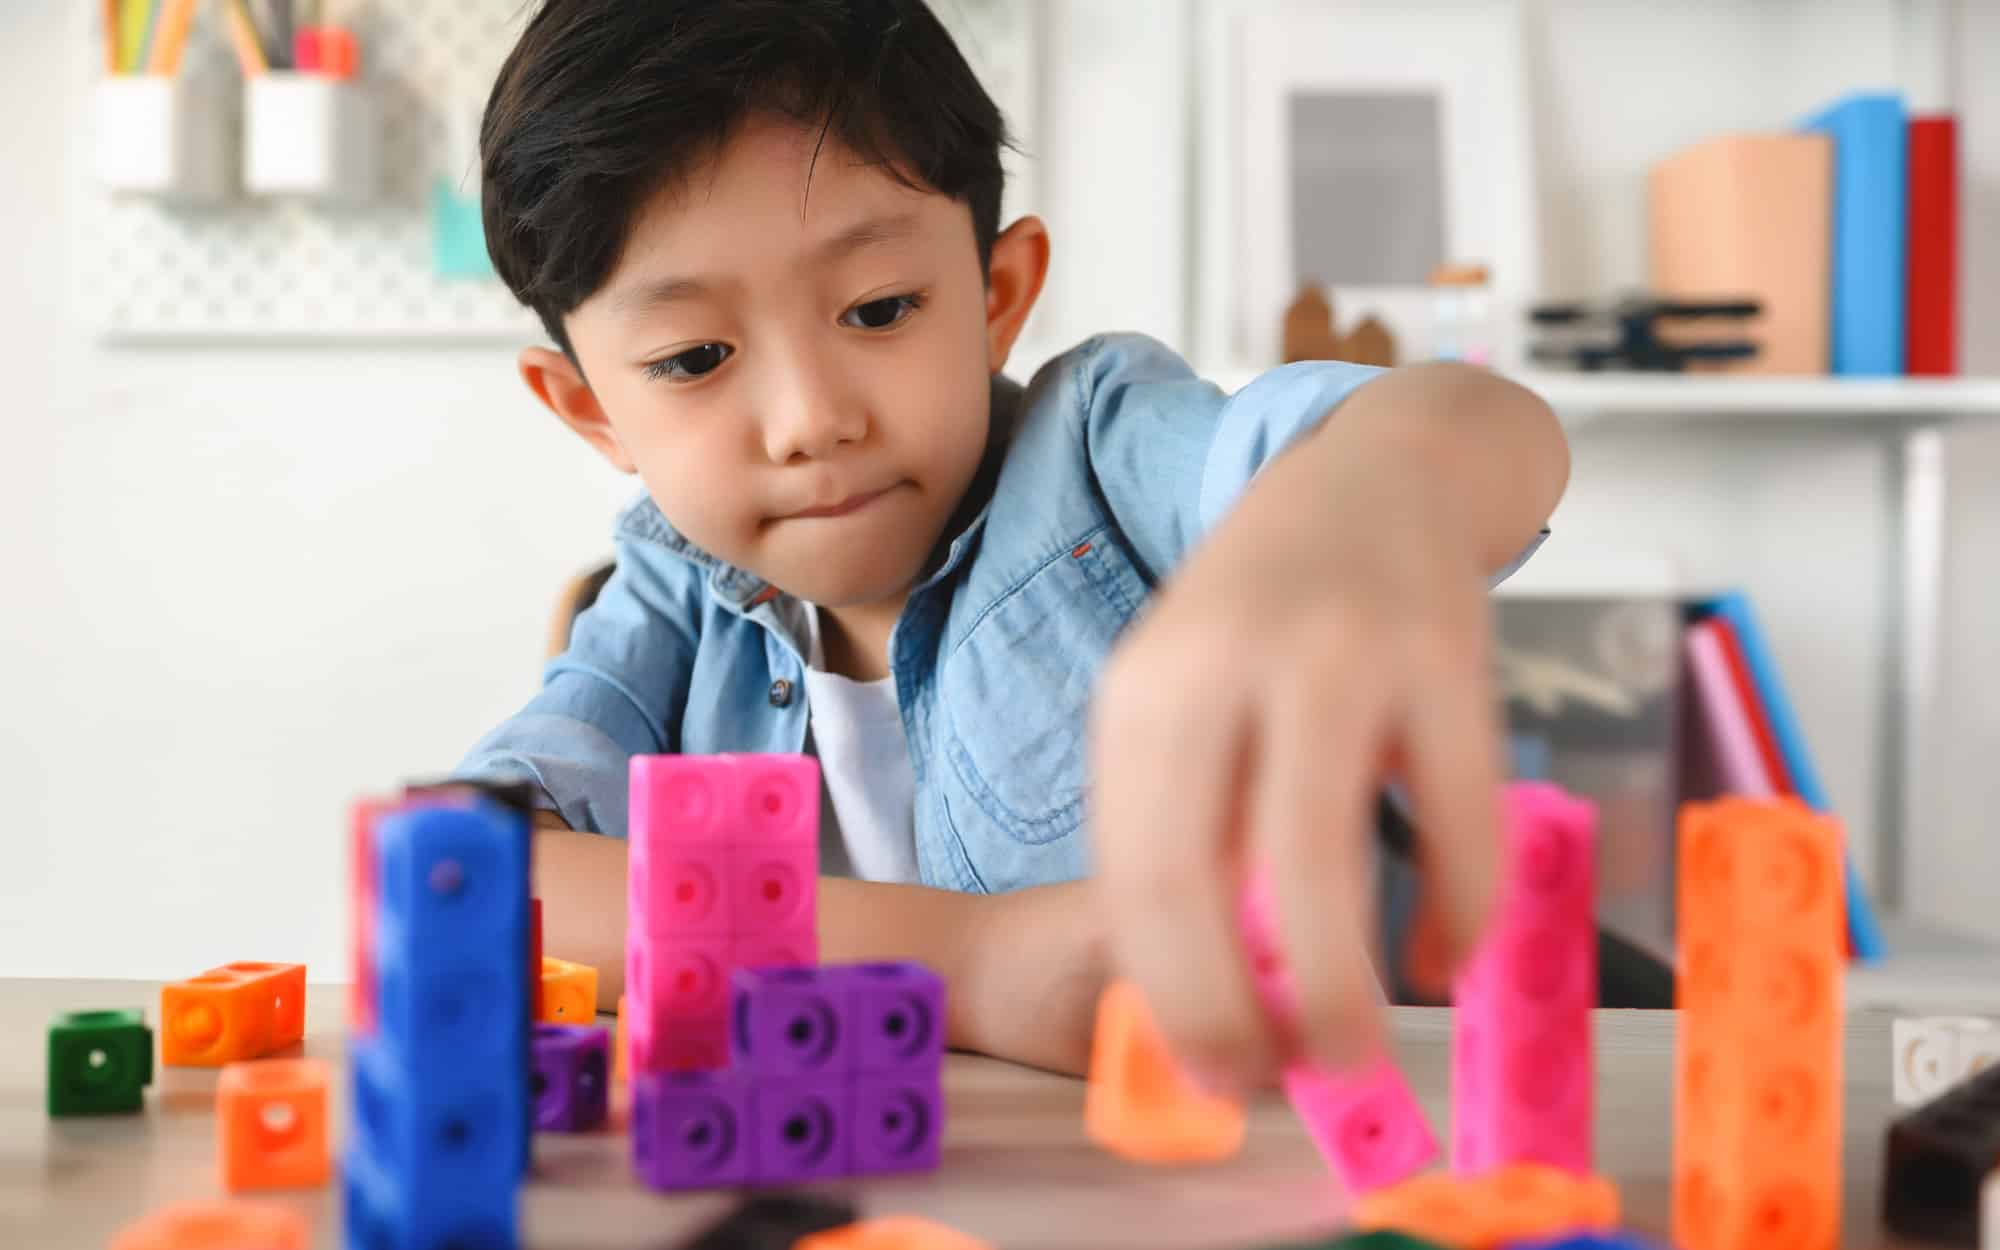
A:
x: 813, y: 412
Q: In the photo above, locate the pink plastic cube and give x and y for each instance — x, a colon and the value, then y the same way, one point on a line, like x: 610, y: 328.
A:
x: 1368, y: 1126
x: 1521, y: 1038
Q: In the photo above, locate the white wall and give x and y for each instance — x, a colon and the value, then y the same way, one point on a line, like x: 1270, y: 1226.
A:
x: 246, y: 585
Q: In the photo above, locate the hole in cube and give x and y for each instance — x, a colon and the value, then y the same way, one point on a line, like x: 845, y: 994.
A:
x: 198, y: 1025
x: 278, y: 1119
x: 457, y: 1133
x: 447, y: 876
x: 97, y: 1058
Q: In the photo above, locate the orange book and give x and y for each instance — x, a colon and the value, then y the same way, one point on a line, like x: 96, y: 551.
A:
x: 1749, y: 215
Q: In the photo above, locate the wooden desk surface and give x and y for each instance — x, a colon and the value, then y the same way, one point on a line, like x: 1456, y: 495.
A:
x: 1017, y: 1168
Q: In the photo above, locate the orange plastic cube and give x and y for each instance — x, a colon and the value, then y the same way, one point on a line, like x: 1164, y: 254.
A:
x: 216, y: 1226
x: 893, y: 1232
x: 243, y: 1010
x: 1436, y: 1206
x: 271, y: 1124
x: 1521, y: 1202
x: 569, y: 992
x: 618, y: 1045
x: 1762, y: 921
x: 1140, y: 1104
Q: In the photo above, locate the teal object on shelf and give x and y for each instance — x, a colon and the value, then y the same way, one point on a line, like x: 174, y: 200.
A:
x: 458, y: 239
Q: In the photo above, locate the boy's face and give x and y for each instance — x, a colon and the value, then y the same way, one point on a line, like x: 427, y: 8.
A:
x: 799, y: 377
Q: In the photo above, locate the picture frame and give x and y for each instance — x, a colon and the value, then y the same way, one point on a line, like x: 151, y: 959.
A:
x: 1259, y: 58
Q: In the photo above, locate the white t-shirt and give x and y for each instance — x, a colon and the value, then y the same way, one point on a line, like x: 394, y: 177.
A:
x: 867, y: 808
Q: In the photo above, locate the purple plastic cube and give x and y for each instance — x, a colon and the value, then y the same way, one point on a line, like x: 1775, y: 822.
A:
x: 790, y: 1022
x: 799, y: 1128
x: 898, y: 1123
x: 691, y: 1130
x: 896, y: 1014
x: 570, y: 1076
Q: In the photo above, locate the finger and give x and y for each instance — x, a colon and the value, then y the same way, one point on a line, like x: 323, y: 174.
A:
x: 1453, y: 771
x: 1312, y: 802
x: 1166, y: 764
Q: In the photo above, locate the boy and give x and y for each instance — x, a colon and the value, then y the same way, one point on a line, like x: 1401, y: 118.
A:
x: 764, y: 237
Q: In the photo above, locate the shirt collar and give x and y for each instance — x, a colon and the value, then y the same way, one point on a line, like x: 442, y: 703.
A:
x: 741, y: 590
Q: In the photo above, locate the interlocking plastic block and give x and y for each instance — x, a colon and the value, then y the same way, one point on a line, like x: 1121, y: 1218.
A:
x: 384, y: 1207
x: 791, y: 1022
x: 1522, y: 1074
x: 239, y: 1011
x: 723, y: 844
x: 271, y: 1124
x: 1758, y: 1066
x: 677, y: 1003
x: 1139, y: 1103
x: 775, y: 1220
x: 691, y: 1130
x: 894, y: 1232
x: 535, y: 970
x: 1937, y: 1159
x: 569, y: 992
x: 362, y: 815
x: 216, y: 1225
x: 435, y: 1130
x: 621, y: 1058
x: 898, y: 1016
x: 898, y: 1123
x: 1367, y: 1124
x: 100, y: 1062
x: 800, y: 1128
x: 570, y: 1080
x: 1515, y: 1202
x: 1933, y: 1053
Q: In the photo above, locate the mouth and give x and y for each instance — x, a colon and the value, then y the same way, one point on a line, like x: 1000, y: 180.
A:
x: 853, y: 503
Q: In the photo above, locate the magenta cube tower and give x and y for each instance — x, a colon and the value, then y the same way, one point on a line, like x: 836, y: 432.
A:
x: 724, y: 866
x: 1521, y: 1072
x: 1367, y: 1124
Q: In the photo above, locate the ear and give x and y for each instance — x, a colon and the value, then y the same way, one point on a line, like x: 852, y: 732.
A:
x: 561, y: 387
x: 1014, y: 279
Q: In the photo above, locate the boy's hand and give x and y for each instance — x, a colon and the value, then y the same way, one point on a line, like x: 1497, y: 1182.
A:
x: 1333, y: 630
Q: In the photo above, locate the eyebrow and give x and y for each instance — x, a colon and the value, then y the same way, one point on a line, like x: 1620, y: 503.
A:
x: 650, y: 295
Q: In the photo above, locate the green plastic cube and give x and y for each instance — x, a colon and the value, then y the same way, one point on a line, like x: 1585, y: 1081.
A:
x: 100, y: 1062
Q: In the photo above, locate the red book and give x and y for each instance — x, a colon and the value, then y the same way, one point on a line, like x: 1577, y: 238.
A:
x: 1930, y: 314
x: 1760, y: 721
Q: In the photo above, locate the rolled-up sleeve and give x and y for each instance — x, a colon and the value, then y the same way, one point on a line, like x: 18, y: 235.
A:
x: 1173, y: 453
x: 615, y: 692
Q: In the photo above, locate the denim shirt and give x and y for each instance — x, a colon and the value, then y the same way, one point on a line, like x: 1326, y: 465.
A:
x: 1101, y: 475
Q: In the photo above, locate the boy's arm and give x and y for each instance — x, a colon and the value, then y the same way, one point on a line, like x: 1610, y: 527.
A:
x: 1022, y: 970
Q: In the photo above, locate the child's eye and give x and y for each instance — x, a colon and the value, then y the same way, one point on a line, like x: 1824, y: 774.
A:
x: 880, y: 314
x: 693, y: 363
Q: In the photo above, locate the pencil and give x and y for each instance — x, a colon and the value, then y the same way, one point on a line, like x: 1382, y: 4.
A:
x: 144, y: 56
x: 170, y: 40
x: 131, y: 33
x: 243, y: 34
x: 108, y: 11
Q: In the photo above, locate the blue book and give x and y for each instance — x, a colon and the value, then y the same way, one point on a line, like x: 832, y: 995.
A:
x: 1734, y: 607
x: 1870, y: 179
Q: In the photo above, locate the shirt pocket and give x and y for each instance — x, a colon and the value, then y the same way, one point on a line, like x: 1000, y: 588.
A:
x: 1016, y: 691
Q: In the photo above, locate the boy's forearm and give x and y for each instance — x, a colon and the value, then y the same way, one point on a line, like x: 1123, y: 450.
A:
x: 1468, y: 447
x: 1022, y: 969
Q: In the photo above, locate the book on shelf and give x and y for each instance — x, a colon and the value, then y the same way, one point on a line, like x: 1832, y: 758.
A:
x: 1870, y: 202
x: 1930, y: 333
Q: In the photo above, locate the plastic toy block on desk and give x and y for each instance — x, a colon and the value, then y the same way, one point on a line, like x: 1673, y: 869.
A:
x: 216, y: 1226
x: 724, y: 868
x: 1513, y: 1203
x: 243, y: 1010
x: 893, y: 1232
x: 1521, y: 1025
x: 1933, y: 1053
x: 570, y: 1084
x: 569, y: 992
x: 1139, y: 1104
x: 1758, y: 1067
x: 271, y: 1124
x: 1937, y: 1158
x: 1367, y: 1124
x: 100, y: 1062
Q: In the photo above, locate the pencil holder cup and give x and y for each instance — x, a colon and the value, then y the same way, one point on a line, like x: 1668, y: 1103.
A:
x: 166, y: 136
x: 312, y: 136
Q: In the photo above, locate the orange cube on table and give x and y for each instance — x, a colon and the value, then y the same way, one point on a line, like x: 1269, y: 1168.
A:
x: 271, y: 1124
x: 243, y: 1010
x: 569, y: 992
x: 1139, y: 1104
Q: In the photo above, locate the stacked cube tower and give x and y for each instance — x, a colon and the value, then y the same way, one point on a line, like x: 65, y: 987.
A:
x: 440, y: 1114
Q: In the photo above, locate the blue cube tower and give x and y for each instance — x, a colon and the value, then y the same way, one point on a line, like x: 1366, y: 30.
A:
x: 440, y: 1122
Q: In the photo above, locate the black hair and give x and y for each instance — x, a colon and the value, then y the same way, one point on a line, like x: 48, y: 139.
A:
x: 604, y: 102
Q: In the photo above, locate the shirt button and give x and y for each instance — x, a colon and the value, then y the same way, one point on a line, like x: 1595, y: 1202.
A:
x: 781, y: 693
